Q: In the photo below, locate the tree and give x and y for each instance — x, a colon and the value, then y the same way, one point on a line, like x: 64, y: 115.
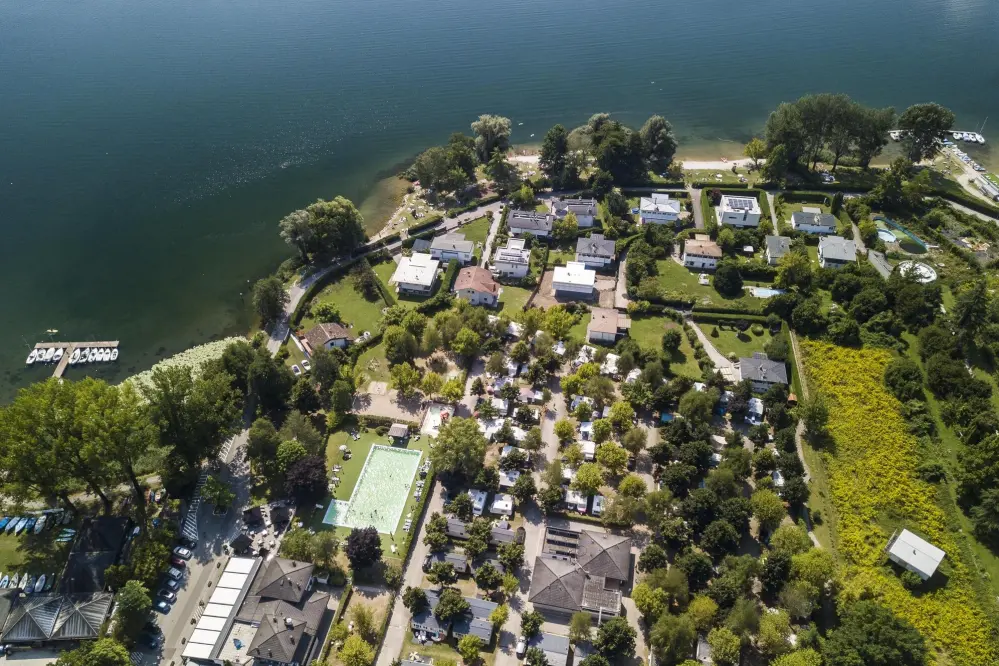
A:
x: 871, y: 133
x: 615, y: 638
x: 437, y: 169
x: 405, y: 379
x: 400, y: 345
x: 872, y: 635
x: 755, y: 150
x: 432, y: 384
x: 580, y: 627
x: 613, y: 457
x: 466, y: 343
x: 269, y: 299
x: 564, y: 430
x: 524, y: 488
x: 102, y: 652
x: 535, y: 656
x: 589, y: 478
x: 492, y: 133
x: 553, y: 157
x: 469, y: 647
x: 775, y: 629
x: 363, y: 620
x: 304, y: 396
x: 632, y: 486
x: 791, y: 539
x: 325, y: 546
x: 487, y: 577
x: 698, y: 568
x: 658, y: 142
x: 768, y: 509
x: 697, y: 406
x: 566, y: 228
x: 720, y: 538
x: 728, y: 280
x: 295, y: 231
x: 530, y: 623
x: 673, y: 638
x: 364, y: 547
x: 635, y: 440
x: 217, y: 493
x: 814, y: 415
x: 806, y: 657
x: 356, y: 652
x: 337, y: 226
x: 651, y: 602
x: 133, y: 606
x: 726, y: 648
x: 924, y: 124
x: 305, y: 480
x: 794, y: 269
x: 499, y: 616
x: 702, y: 610
x: 288, y: 454
x: 460, y: 448
x: 442, y: 574
x: 778, y: 162
x: 298, y: 427
x: 671, y: 340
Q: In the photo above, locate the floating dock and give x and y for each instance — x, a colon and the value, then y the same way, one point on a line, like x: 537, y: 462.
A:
x: 68, y: 349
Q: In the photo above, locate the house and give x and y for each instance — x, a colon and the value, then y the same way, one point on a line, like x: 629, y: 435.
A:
x: 777, y: 247
x: 633, y: 375
x: 658, y: 208
x: 574, y: 280
x: 530, y: 395
x: 701, y: 252
x: 327, y: 336
x: 523, y: 222
x: 596, y: 251
x: 738, y: 211
x: 502, y: 504
x: 880, y: 263
x: 575, y: 500
x: 607, y: 325
x: 591, y: 580
x: 813, y: 221
x: 452, y: 246
x: 598, y: 505
x: 398, y: 431
x: 584, y: 210
x: 425, y: 621
x: 609, y: 368
x: 556, y: 648
x: 836, y: 251
x: 762, y: 372
x: 475, y: 620
x: 500, y: 533
x: 989, y: 185
x: 512, y: 261
x: 477, y: 286
x: 489, y: 427
x: 502, y: 405
x: 586, y: 429
x: 589, y: 449
x: 508, y: 478
x: 754, y: 411
x: 457, y: 560
x: 478, y: 500
x: 915, y: 554
x: 416, y: 274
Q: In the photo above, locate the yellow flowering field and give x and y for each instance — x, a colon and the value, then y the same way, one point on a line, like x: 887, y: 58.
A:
x: 872, y: 473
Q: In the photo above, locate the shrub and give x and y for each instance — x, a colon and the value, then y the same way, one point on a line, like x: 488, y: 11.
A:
x: 757, y: 329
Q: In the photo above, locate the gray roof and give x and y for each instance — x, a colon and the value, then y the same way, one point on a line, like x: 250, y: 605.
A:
x: 283, y: 579
x: 455, y: 559
x: 557, y: 583
x: 421, y: 245
x: 452, y: 243
x: 603, y: 554
x: 576, y: 206
x: 44, y: 617
x: 476, y: 620
x: 426, y: 618
x: 778, y: 246
x: 837, y: 248
x: 813, y: 219
x: 399, y: 430
x: 556, y: 648
x: 761, y: 368
x: 880, y: 263
x: 596, y: 246
x: 529, y: 220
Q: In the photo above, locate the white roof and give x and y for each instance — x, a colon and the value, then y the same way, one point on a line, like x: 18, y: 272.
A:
x: 588, y: 448
x: 490, y: 427
x: 243, y: 565
x: 659, y: 202
x: 232, y: 580
x: 211, y: 623
x: 217, y: 610
x: 478, y: 497
x: 508, y: 477
x: 598, y: 503
x: 633, y: 376
x: 609, y: 366
x: 224, y: 596
x: 507, y: 450
x: 502, y: 503
x: 576, y: 399
x: 419, y: 269
x: 585, y: 427
x: 204, y: 636
x: 755, y: 406
x: 575, y: 273
x: 574, y: 497
x: 501, y: 404
x: 917, y: 553
x: 197, y: 651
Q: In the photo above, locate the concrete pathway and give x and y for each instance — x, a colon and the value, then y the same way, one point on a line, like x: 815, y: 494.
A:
x: 771, y: 199
x: 695, y: 198
x: 487, y: 251
x: 726, y: 366
x: 621, y: 299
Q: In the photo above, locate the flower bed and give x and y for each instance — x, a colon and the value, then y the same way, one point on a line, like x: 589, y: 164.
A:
x: 872, y: 477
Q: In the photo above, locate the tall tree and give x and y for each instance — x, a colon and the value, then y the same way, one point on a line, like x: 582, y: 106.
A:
x: 269, y: 299
x: 872, y: 130
x: 102, y: 652
x: 492, y: 133
x: 924, y: 124
x: 270, y: 382
x: 133, y: 606
x: 503, y: 172
x: 460, y: 448
x: 337, y: 226
x: 778, y: 162
x: 872, y: 635
x: 844, y: 129
x: 784, y: 128
x: 554, y: 151
x: 756, y: 150
x: 296, y: 231
x: 659, y: 143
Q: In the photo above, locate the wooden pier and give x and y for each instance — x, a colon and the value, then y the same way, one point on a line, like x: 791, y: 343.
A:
x: 68, y: 349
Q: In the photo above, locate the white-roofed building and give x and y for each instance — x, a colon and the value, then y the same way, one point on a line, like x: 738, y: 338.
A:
x: 416, y: 274
x: 658, y: 208
x: 227, y: 596
x: 598, y: 505
x: 583, y: 209
x: 508, y: 477
x: 586, y: 429
x: 479, y: 498
x: 739, y: 211
x: 575, y: 500
x: 915, y: 554
x: 574, y: 280
x: 512, y: 261
x: 502, y: 505
x: 588, y: 448
x: 489, y: 427
x: 632, y: 376
x: 609, y: 366
x: 502, y: 405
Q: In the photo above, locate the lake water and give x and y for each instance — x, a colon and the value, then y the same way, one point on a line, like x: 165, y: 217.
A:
x: 147, y: 149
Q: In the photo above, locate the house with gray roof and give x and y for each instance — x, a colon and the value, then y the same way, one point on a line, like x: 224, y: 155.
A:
x: 500, y: 533
x: 531, y: 222
x: 556, y: 648
x: 762, y: 371
x: 596, y: 251
x: 452, y: 246
x: 422, y: 245
x: 592, y: 580
x: 427, y: 622
x: 475, y: 620
x: 777, y: 247
x: 880, y: 263
x: 813, y: 221
x: 836, y: 252
x: 457, y: 560
x: 585, y: 210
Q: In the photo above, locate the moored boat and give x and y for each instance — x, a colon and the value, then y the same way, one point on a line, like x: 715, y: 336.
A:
x: 114, y: 354
x: 49, y: 353
x: 58, y: 355
x: 40, y: 584
x: 32, y: 357
x: 4, y: 582
x: 106, y: 355
x: 75, y: 357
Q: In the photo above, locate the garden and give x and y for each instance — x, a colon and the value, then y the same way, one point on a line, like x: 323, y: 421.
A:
x: 675, y: 278
x: 734, y: 343
x: 648, y: 333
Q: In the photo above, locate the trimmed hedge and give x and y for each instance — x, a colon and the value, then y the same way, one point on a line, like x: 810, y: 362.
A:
x: 472, y: 205
x: 711, y: 185
x: 708, y: 310
x: 318, y: 286
x: 371, y: 422
x: 805, y: 196
x: 431, y: 221
x: 968, y: 202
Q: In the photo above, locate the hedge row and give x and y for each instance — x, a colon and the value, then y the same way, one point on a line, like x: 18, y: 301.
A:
x: 714, y: 317
x: 805, y: 196
x: 318, y: 286
x: 711, y: 185
x: 371, y: 422
x: 967, y: 201
x: 421, y: 505
x: 431, y: 221
x: 701, y: 309
x: 472, y: 205
x: 337, y: 616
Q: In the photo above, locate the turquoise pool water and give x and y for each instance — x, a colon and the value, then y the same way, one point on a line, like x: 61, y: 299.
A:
x: 381, y: 492
x: 765, y: 292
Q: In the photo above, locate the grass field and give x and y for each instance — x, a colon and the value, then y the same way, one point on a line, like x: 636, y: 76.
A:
x: 676, y: 278
x: 477, y: 230
x: 445, y: 651
x: 648, y: 333
x: 373, y: 363
x: 34, y: 554
x: 355, y: 310
x: 578, y: 331
x: 727, y: 177
x: 733, y: 341
x: 513, y: 299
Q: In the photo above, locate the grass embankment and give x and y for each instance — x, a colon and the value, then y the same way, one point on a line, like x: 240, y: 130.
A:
x: 875, y: 489
x: 733, y: 341
x: 477, y: 230
x: 678, y: 279
x: 355, y: 309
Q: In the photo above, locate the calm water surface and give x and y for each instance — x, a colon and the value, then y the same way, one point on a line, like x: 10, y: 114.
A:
x: 147, y: 149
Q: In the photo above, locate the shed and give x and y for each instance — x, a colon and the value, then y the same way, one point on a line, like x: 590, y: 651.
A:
x: 915, y: 554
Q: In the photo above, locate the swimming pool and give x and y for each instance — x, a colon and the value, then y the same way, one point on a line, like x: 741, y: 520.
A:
x: 886, y: 236
x: 381, y: 492
x: 765, y: 292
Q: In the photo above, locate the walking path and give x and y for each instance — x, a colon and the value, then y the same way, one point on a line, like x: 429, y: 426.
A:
x: 695, y: 199
x: 799, y: 435
x: 725, y: 366
x: 771, y: 199
x: 621, y: 299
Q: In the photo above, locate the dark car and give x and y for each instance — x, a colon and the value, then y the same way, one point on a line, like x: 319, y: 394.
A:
x: 171, y: 584
x: 162, y: 607
x: 152, y: 641
x: 177, y: 562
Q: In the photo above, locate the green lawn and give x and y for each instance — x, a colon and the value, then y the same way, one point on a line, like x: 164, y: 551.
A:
x: 733, y: 341
x: 477, y: 230
x: 676, y: 278
x: 295, y: 355
x: 560, y: 253
x: 372, y: 362
x: 355, y: 310
x: 444, y: 652
x: 513, y: 299
x: 648, y: 333
x: 813, y: 254
x: 384, y: 271
x: 34, y: 554
x: 351, y: 470
x: 578, y: 331
x: 727, y: 177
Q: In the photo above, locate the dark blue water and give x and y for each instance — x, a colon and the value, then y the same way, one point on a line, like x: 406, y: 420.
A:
x: 148, y: 149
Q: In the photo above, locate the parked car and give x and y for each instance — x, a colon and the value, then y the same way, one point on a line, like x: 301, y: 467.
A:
x: 162, y: 607
x: 175, y: 573
x: 185, y: 553
x: 177, y: 562
x: 172, y: 584
x: 188, y: 542
x: 306, y: 366
x: 521, y: 647
x: 295, y: 370
x: 168, y: 595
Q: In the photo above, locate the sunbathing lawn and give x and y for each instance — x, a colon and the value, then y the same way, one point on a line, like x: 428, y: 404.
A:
x: 648, y: 333
x: 351, y: 470
x: 727, y: 177
x: 578, y: 331
x: 513, y: 299
x: 734, y: 341
x: 477, y: 230
x: 439, y: 651
x: 374, y: 364
x: 355, y: 310
x: 674, y: 277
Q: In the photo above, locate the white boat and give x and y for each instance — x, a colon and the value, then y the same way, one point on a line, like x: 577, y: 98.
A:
x: 24, y: 581
x: 979, y: 138
x: 40, y: 524
x: 40, y: 584
x: 58, y: 355
x: 75, y: 358
x: 114, y: 354
x: 4, y: 582
x: 92, y: 358
x: 32, y: 356
x: 956, y: 135
x: 49, y: 353
x: 894, y: 135
x: 105, y: 355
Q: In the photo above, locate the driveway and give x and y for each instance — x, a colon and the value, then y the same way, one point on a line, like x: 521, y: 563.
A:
x: 621, y: 299
x: 695, y: 198
x: 722, y: 364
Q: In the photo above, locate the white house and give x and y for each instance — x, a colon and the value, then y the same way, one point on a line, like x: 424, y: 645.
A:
x: 416, y: 274
x: 575, y: 500
x: 813, y: 221
x: 598, y: 505
x: 477, y: 286
x: 607, y: 325
x: 915, y: 554
x: 512, y: 261
x: 586, y: 429
x: 574, y: 280
x: 754, y: 411
x: 836, y: 252
x: 589, y: 449
x: 596, y: 251
x: 452, y: 246
x: 739, y: 211
x: 328, y: 336
x: 531, y: 222
x: 658, y: 208
x: 502, y: 505
x: 609, y: 368
x: 508, y: 477
x: 585, y: 210
x: 701, y: 252
x: 777, y: 247
x: 478, y: 500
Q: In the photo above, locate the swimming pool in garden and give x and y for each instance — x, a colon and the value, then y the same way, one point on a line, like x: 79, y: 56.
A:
x: 381, y: 492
